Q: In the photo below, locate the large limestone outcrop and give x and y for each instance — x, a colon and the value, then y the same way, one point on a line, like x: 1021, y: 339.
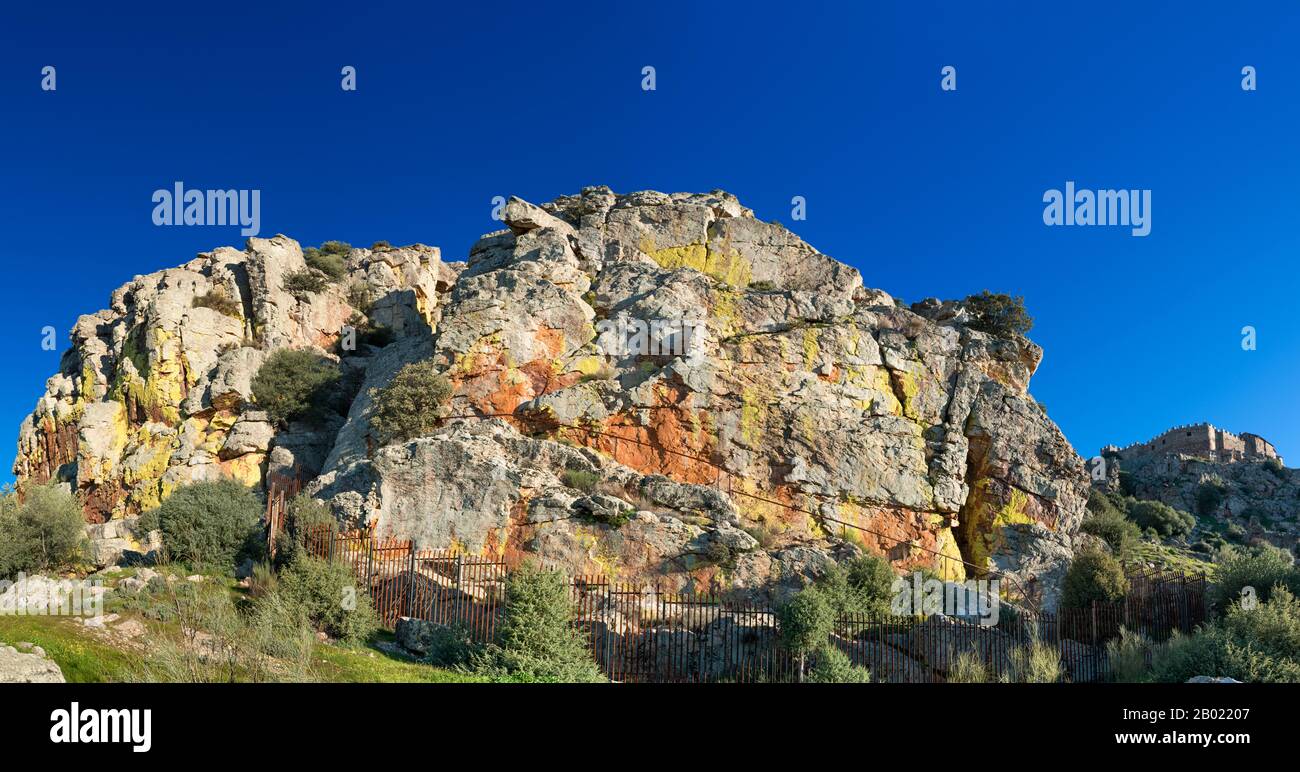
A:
x: 156, y: 390
x: 811, y: 417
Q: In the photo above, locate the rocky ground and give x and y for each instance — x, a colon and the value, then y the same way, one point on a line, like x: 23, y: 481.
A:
x: 816, y: 417
x: 1259, y: 501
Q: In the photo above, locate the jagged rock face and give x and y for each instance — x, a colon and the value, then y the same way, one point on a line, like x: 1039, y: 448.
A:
x: 156, y: 390
x: 811, y: 418
x: 1263, y: 498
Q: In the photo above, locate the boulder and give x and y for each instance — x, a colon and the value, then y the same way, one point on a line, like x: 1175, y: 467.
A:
x: 27, y: 667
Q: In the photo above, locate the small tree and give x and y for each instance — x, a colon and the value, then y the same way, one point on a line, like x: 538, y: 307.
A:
x: 411, y: 404
x: 46, y: 531
x: 806, y: 622
x: 208, y: 524
x: 537, y: 640
x: 293, y: 384
x: 304, y: 283
x: 1093, y: 576
x: 1000, y: 315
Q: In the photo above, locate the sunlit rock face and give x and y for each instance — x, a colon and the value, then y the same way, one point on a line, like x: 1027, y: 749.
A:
x: 653, y: 388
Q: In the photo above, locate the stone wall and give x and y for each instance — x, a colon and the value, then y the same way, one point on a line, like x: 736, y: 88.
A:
x: 1204, y: 440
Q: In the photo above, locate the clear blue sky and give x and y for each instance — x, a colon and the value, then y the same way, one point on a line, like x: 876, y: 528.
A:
x: 928, y: 193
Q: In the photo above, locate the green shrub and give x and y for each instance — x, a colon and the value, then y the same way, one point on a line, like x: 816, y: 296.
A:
x: 1235, y: 532
x: 411, y: 404
x: 328, y: 595
x: 1275, y: 466
x: 1127, y: 656
x: 536, y: 640
x: 1259, y: 567
x: 304, y: 514
x: 1112, y: 527
x: 336, y: 248
x: 452, y: 646
x: 208, y: 524
x: 306, y: 282
x: 999, y: 315
x: 44, y: 532
x: 1210, y: 495
x: 1162, y: 518
x: 217, y: 299
x: 860, y: 585
x: 581, y: 479
x: 380, y: 245
x: 1093, y: 576
x: 762, y: 286
x: 332, y: 264
x: 293, y: 385
x: 833, y: 666
x: 1255, y: 645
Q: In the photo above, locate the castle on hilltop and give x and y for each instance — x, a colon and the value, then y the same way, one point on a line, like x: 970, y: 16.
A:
x: 1200, y: 440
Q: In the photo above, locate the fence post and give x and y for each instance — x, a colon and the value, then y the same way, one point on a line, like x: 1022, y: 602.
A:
x: 410, y: 585
x: 459, y: 594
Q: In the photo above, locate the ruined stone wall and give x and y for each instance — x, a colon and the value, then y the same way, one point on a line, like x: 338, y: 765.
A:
x: 1204, y: 440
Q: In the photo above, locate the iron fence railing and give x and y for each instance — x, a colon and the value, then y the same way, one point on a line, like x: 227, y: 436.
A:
x: 640, y: 633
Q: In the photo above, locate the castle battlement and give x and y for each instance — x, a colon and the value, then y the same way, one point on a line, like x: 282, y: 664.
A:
x: 1202, y: 439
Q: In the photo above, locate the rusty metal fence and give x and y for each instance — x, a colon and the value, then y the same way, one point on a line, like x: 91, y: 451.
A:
x: 639, y: 633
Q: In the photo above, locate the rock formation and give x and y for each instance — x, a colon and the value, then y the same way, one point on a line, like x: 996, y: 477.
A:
x: 1246, y: 496
x: 809, y: 417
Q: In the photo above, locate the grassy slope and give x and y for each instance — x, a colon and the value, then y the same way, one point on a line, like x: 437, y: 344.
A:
x: 338, y: 664
x: 84, y: 657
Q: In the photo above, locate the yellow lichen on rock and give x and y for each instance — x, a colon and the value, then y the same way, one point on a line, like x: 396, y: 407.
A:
x: 948, y: 564
x: 730, y: 269
x: 983, y: 530
x: 810, y: 348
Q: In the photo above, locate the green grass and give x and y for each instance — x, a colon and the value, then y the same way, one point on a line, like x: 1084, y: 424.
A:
x: 83, y: 657
x: 86, y: 658
x: 339, y: 664
x: 1171, y: 558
